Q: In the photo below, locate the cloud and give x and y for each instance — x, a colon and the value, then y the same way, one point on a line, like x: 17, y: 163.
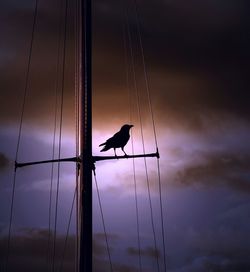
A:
x: 187, y: 53
x: 100, y: 255
x: 126, y: 268
x: 99, y: 243
x: 4, y: 162
x: 195, y: 63
x: 218, y: 245
x: 28, y: 250
x: 148, y: 252
x: 40, y: 100
x: 213, y: 263
x: 104, y: 266
x: 230, y: 170
x: 217, y: 154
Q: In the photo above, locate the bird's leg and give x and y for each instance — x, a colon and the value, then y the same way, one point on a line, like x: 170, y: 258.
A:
x: 115, y: 152
x: 124, y: 151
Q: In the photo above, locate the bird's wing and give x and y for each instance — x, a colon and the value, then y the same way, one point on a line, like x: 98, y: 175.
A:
x: 111, y: 140
x: 114, y: 138
x: 108, y: 142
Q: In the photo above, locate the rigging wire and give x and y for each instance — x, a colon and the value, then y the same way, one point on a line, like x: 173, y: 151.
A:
x: 132, y: 145
x: 51, y: 185
x: 54, y: 132
x: 77, y: 131
x: 67, y: 232
x: 142, y: 137
x: 161, y: 210
x: 20, y: 130
x: 103, y: 223
x: 138, y: 24
x: 136, y: 207
x: 60, y: 132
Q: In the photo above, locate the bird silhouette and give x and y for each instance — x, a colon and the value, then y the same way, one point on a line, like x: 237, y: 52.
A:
x: 119, y: 140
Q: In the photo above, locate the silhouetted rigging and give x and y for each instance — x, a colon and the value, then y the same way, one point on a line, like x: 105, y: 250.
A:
x: 84, y: 159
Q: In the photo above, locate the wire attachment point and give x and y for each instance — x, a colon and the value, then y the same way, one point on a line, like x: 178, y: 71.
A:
x: 157, y: 153
x: 16, y: 165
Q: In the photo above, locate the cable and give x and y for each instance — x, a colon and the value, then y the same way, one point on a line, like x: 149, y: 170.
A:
x: 77, y: 89
x: 103, y: 223
x: 60, y: 134
x: 132, y: 145
x: 67, y: 232
x: 136, y: 208
x: 162, y: 222
x: 138, y: 24
x: 143, y: 145
x: 50, y: 194
x: 20, y: 129
x: 10, y: 222
x: 145, y: 71
x: 54, y: 132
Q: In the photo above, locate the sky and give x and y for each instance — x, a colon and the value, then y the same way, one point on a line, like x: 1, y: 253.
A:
x: 197, y: 56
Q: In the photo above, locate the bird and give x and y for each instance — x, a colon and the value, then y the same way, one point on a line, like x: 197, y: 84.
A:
x: 118, y: 140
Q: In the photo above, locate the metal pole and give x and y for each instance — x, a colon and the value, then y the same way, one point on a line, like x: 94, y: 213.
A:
x: 85, y: 258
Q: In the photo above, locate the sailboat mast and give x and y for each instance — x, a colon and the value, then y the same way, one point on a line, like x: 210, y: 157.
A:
x: 85, y: 161
x: 85, y: 197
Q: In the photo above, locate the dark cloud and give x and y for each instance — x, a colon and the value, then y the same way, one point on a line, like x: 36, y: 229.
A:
x: 126, y: 268
x: 101, y: 264
x: 99, y: 253
x: 213, y: 263
x: 220, y: 243
x: 231, y: 254
x: 4, y: 162
x: 104, y: 266
x: 148, y: 252
x: 28, y: 249
x: 196, y: 58
x: 99, y: 243
x: 219, y: 170
x: 40, y: 100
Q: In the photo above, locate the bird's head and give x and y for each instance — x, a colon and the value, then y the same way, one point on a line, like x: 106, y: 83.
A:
x: 126, y: 127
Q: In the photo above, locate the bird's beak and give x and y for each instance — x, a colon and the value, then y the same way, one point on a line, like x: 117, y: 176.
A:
x: 131, y: 126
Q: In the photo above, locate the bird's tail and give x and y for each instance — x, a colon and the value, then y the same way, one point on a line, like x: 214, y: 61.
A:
x: 105, y: 149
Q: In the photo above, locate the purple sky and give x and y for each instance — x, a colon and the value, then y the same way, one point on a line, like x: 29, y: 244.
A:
x: 197, y: 57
